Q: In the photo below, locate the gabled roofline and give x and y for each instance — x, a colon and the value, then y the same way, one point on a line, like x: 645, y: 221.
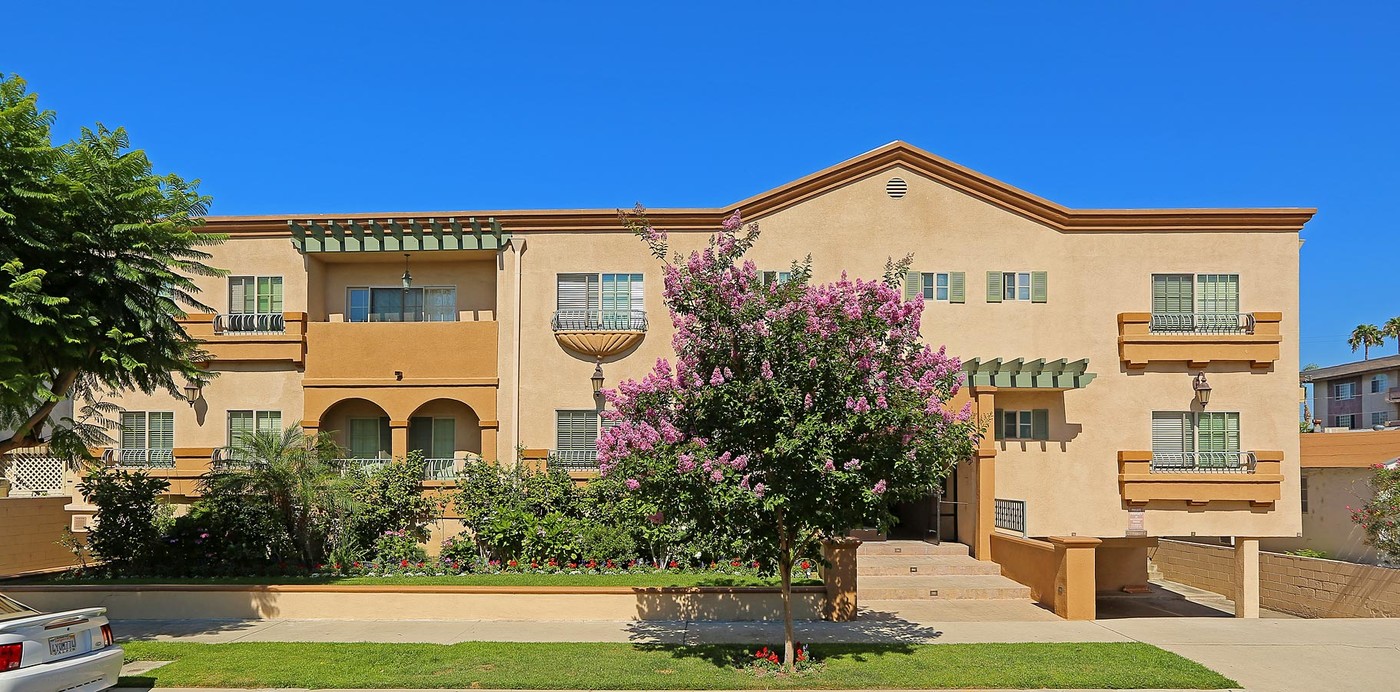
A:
x: 897, y: 153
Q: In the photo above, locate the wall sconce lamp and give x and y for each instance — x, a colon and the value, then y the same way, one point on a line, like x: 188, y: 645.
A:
x: 597, y: 379
x: 1202, y: 388
x: 193, y: 392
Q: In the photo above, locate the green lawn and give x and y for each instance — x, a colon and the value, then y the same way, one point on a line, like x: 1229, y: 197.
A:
x: 646, y: 579
x: 628, y: 666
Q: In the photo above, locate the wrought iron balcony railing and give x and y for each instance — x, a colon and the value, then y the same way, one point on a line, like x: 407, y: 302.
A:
x: 574, y: 459
x: 444, y: 469
x: 250, y: 323
x: 1202, y: 323
x: 1010, y: 515
x: 1203, y: 462
x: 139, y: 457
x: 600, y: 320
x: 363, y: 464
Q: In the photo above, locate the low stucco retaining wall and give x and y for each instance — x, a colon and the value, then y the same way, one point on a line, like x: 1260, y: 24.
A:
x: 29, y: 530
x: 162, y: 602
x: 1305, y: 586
x: 1030, y: 562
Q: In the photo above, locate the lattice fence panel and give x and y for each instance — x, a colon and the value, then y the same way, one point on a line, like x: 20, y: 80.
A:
x: 37, y: 475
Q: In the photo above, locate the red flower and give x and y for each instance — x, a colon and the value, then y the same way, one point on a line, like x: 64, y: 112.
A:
x: 534, y: 565
x: 512, y: 563
x: 773, y: 658
x: 673, y: 564
x: 734, y: 563
x: 404, y: 563
x: 573, y: 564
x: 806, y: 565
x: 420, y: 564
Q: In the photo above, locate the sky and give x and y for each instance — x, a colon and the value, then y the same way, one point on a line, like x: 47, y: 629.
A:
x: 302, y: 107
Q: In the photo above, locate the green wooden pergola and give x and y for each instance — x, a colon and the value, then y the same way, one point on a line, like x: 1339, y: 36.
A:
x: 396, y: 235
x: 1020, y: 373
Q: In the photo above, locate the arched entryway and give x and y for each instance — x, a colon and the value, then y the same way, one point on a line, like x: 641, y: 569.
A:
x: 360, y: 427
x: 447, y: 432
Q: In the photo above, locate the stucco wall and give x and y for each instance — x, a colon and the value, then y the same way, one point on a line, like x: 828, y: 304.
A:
x: 29, y: 527
x: 1309, y: 587
x: 1327, y: 525
x: 1092, y: 277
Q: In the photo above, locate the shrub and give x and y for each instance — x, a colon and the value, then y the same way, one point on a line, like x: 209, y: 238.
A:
x: 1309, y: 552
x: 1380, y: 516
x: 394, y: 547
x: 126, y: 537
x: 391, y: 499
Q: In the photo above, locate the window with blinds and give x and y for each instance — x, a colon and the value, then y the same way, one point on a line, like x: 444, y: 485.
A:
x: 255, y: 294
x: 242, y: 424
x: 147, y: 430
x: 434, y: 438
x: 388, y: 304
x: 1173, y: 433
x: 577, y: 292
x: 1173, y: 294
x: 369, y: 438
x: 576, y: 431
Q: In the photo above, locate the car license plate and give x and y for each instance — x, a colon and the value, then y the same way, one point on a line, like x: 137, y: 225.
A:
x: 62, y: 646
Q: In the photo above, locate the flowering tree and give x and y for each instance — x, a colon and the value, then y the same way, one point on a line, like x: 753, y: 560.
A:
x: 794, y: 412
x: 1380, y: 516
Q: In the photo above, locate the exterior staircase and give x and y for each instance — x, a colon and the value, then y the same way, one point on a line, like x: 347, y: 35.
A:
x: 915, y: 570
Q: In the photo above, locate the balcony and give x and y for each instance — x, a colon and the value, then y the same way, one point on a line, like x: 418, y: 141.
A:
x: 139, y: 458
x: 250, y: 336
x: 1393, y: 395
x: 573, y: 459
x: 599, y: 333
x: 1199, y: 339
x: 401, y: 354
x: 1200, y: 478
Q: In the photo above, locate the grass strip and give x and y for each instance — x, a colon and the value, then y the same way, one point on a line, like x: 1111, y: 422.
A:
x: 502, y: 580
x: 504, y: 665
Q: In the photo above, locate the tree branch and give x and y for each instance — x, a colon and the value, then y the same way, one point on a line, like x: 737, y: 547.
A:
x: 24, y: 435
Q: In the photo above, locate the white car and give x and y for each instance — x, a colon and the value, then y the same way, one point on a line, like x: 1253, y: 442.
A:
x: 70, y: 651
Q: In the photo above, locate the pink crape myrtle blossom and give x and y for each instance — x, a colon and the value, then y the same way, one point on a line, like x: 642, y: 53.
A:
x: 771, y: 385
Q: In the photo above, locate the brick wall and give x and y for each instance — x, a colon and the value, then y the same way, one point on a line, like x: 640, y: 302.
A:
x: 29, y: 527
x: 1304, y: 586
x: 1203, y: 566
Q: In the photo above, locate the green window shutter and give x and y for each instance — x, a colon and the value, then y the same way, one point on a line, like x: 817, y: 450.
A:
x: 133, y: 425
x: 1040, y: 424
x: 993, y: 287
x: 1159, y: 294
x: 444, y: 437
x: 240, y: 426
x: 957, y: 287
x: 162, y: 433
x: 1232, y: 432
x: 998, y: 429
x: 1038, y: 287
x: 913, y: 286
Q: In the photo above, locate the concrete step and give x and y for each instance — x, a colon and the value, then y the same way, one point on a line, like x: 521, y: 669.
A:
x: 950, y: 587
x: 910, y: 548
x: 922, y: 565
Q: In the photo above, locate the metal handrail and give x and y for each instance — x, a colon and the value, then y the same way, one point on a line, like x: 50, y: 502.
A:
x: 1203, y: 462
x: 1202, y: 323
x: 139, y: 457
x: 575, y: 459
x: 600, y: 320
x: 250, y: 323
x: 445, y: 469
x: 364, y: 464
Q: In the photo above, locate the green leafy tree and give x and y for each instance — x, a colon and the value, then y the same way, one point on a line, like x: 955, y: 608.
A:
x: 391, y: 499
x: 1391, y: 329
x: 97, y: 259
x: 312, y: 500
x: 1364, y: 337
x: 1379, y: 517
x: 794, y: 413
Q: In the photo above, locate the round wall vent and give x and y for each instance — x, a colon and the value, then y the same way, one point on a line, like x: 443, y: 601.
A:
x: 896, y: 188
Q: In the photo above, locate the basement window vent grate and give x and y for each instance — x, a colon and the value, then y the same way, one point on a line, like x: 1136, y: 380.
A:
x: 896, y: 188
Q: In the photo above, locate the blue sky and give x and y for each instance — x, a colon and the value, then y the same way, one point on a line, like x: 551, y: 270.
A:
x: 355, y: 106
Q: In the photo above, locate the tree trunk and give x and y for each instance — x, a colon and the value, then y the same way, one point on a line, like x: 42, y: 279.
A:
x: 27, y: 435
x: 785, y: 581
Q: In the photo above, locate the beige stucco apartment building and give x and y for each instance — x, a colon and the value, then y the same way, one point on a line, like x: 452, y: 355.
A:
x: 1085, y: 333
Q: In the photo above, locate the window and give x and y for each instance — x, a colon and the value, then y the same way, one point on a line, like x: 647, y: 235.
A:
x: 1017, y: 286
x: 1378, y: 418
x: 771, y: 278
x: 1345, y: 390
x: 369, y: 438
x: 1303, y: 490
x: 148, y: 430
x: 241, y: 424
x: 1032, y: 424
x: 255, y: 295
x: 435, y: 438
x: 1187, y: 440
x: 1196, y: 302
x: 1346, y: 421
x: 600, y: 301
x: 1379, y: 383
x: 1217, y: 293
x: 429, y: 304
x: 946, y: 287
x: 576, y: 433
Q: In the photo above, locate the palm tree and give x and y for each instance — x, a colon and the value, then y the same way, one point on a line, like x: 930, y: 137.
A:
x: 1364, y: 337
x: 298, y: 477
x: 1391, y: 328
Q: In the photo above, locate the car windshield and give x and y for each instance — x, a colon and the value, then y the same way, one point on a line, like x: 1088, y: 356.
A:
x: 11, y: 609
